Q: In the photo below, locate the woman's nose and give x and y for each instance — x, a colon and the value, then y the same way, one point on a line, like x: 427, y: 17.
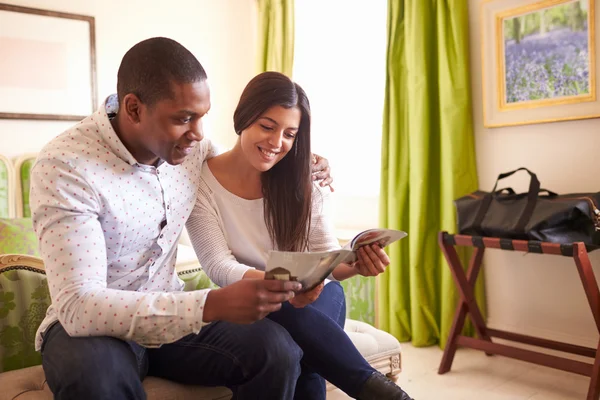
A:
x: 276, y: 139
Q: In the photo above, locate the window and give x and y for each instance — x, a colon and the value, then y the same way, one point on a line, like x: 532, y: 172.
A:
x: 340, y: 51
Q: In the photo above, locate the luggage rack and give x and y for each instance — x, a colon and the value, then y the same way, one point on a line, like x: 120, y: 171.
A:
x: 468, y: 306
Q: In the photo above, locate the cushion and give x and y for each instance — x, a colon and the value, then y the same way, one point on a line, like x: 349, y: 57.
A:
x: 17, y: 237
x: 189, y: 270
x: 24, y: 298
x: 370, y: 341
x: 160, y: 389
x: 196, y: 279
x: 30, y: 384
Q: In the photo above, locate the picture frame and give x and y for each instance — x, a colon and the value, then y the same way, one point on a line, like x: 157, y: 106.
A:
x: 48, y: 68
x: 539, y: 61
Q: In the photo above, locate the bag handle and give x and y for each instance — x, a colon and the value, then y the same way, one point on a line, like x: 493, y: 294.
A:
x: 534, y: 188
x: 508, y: 190
x: 548, y: 192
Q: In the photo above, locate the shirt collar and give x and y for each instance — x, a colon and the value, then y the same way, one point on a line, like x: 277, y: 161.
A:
x: 107, y: 111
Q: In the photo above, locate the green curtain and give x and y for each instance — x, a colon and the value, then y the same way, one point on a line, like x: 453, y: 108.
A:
x: 276, y: 36
x: 428, y: 160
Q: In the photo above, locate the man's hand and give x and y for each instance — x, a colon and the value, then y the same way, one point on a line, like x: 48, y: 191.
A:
x: 303, y: 299
x: 372, y: 260
x: 248, y: 300
x: 321, y: 171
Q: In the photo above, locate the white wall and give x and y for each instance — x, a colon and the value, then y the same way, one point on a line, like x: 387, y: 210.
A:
x: 221, y: 33
x: 529, y: 293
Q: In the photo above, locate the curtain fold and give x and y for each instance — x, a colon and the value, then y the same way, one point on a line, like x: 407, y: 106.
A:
x: 276, y: 36
x: 428, y: 160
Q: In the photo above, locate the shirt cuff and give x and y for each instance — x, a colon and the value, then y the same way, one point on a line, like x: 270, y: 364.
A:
x: 200, y: 300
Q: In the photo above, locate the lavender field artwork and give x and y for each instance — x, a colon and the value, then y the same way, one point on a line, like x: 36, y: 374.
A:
x: 546, y: 53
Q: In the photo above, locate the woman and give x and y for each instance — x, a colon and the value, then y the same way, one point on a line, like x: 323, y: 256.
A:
x: 258, y: 197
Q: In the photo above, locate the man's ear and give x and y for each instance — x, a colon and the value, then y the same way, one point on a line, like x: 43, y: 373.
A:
x: 132, y: 106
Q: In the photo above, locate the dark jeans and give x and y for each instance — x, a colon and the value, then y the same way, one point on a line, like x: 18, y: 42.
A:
x: 328, y: 352
x: 263, y: 360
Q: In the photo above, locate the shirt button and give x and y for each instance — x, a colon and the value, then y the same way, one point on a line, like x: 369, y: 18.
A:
x: 161, y: 236
x: 168, y: 207
x: 157, y: 172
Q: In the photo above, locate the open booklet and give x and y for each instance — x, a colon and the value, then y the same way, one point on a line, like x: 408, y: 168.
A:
x: 310, y: 269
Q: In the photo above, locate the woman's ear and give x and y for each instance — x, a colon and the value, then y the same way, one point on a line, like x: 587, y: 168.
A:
x: 132, y: 106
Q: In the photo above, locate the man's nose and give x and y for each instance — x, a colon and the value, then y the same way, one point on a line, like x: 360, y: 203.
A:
x: 197, y: 131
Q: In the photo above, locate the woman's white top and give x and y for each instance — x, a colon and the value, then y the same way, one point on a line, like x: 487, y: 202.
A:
x: 230, y: 236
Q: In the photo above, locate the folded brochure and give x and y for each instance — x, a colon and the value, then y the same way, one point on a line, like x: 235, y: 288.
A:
x: 310, y: 269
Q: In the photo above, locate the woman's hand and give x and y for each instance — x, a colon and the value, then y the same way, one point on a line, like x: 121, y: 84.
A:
x: 372, y: 260
x: 304, y: 299
x: 321, y: 171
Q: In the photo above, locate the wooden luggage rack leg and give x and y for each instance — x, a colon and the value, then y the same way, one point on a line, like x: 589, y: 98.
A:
x: 586, y: 273
x: 467, y: 306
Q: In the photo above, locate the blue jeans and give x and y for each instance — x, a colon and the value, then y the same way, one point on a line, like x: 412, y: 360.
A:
x: 263, y: 360
x: 256, y: 361
x: 328, y: 352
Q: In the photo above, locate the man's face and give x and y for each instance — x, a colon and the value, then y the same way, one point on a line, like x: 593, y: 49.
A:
x: 171, y: 128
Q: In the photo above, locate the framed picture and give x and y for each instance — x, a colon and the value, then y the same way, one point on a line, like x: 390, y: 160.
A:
x: 48, y: 68
x: 539, y: 61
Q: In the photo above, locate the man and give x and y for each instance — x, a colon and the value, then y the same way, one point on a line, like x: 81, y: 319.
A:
x: 110, y: 198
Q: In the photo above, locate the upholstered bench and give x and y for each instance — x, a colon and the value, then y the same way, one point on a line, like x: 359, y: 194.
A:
x: 379, y: 348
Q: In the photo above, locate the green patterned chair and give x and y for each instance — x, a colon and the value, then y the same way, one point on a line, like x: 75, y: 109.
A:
x: 7, y: 188
x: 22, y: 171
x: 24, y: 298
x: 16, y: 232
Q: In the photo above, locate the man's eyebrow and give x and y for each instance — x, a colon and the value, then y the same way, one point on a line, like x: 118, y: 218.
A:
x: 188, y: 112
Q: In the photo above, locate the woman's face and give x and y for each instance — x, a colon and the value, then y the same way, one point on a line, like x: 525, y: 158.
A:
x: 270, y: 137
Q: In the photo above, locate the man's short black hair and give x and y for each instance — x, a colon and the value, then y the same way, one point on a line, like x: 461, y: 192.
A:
x: 148, y: 69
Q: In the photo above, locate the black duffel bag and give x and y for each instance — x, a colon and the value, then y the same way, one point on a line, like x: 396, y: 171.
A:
x: 536, y: 215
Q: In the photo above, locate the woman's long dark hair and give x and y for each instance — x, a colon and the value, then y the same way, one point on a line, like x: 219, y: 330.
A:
x: 287, y: 187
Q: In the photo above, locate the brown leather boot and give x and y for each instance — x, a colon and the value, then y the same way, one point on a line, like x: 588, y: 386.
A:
x: 379, y: 387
